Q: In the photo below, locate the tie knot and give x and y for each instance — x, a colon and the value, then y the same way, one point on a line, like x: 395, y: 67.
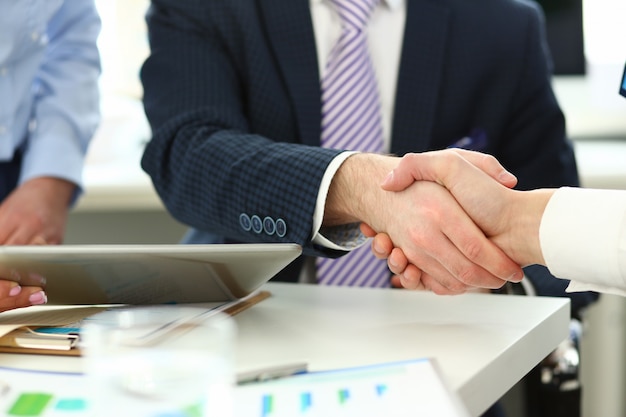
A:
x: 355, y: 13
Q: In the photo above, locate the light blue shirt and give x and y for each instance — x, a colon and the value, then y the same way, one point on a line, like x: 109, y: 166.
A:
x: 49, y: 100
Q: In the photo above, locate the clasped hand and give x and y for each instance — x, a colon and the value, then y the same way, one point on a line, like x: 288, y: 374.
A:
x: 481, y: 187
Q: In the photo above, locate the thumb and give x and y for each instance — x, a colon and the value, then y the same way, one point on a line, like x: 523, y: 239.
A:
x: 405, y: 174
x: 438, y: 166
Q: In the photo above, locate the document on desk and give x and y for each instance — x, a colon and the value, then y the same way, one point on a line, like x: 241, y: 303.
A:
x: 402, y: 389
x: 398, y: 389
x: 55, y: 329
x: 43, y: 327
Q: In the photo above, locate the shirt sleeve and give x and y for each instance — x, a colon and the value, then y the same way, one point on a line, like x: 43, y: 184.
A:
x: 344, y: 237
x: 583, y: 238
x: 66, y: 105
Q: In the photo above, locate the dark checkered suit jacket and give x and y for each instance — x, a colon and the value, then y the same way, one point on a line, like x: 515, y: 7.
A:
x: 233, y: 97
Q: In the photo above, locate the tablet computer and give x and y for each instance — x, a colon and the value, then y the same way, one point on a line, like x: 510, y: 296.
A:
x: 145, y: 274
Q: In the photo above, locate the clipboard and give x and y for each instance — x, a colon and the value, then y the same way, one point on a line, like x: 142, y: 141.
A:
x: 20, y: 325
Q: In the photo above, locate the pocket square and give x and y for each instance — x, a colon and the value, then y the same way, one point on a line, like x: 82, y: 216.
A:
x: 475, y: 141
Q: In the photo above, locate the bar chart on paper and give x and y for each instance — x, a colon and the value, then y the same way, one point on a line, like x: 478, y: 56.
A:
x: 39, y: 394
x: 403, y: 389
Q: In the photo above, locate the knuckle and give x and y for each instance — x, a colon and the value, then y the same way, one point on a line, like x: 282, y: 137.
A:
x: 490, y: 160
x: 418, y: 240
x: 457, y: 287
x: 468, y: 275
x: 473, y: 250
x: 410, y: 157
x: 447, y: 286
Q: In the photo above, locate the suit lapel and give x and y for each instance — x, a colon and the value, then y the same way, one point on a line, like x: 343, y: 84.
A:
x: 419, y: 77
x: 290, y: 32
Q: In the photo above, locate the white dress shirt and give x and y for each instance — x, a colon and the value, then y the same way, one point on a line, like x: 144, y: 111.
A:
x: 583, y: 238
x: 385, y: 35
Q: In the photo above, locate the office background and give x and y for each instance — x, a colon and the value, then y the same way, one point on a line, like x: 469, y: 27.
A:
x: 120, y: 205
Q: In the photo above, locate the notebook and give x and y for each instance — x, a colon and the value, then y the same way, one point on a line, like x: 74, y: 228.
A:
x: 146, y: 274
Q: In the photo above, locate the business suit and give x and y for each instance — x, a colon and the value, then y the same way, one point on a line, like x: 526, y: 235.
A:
x: 232, y: 93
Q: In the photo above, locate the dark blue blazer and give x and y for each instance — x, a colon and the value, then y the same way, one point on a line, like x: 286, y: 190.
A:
x: 232, y: 94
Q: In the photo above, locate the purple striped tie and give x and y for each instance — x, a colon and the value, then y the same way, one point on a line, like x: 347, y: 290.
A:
x: 351, y: 120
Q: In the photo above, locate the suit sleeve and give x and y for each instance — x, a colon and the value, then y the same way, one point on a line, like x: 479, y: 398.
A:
x: 211, y: 171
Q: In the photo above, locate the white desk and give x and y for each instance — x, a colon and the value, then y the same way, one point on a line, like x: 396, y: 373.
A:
x: 483, y: 343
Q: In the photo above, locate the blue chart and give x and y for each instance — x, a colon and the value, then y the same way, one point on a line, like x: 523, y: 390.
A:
x: 398, y: 390
x: 313, y: 401
x: 403, y: 389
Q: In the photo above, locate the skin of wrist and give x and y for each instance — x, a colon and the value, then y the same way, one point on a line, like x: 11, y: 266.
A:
x: 58, y: 189
x: 355, y: 194
x: 527, y: 212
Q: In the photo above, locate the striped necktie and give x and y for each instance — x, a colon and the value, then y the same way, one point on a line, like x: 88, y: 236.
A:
x: 351, y: 120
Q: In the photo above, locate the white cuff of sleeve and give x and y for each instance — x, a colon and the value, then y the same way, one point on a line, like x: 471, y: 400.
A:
x: 582, y: 233
x: 344, y: 237
x: 575, y: 286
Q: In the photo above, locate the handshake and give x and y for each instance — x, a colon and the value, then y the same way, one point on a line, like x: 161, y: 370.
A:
x: 474, y: 230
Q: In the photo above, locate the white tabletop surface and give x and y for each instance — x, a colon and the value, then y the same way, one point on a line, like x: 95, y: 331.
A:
x: 482, y: 343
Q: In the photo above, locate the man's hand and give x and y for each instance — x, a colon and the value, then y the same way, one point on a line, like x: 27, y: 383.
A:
x: 424, y: 221
x: 509, y: 218
x: 36, y: 212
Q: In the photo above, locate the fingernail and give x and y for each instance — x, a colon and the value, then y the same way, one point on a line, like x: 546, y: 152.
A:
x: 38, y: 298
x: 377, y: 248
x: 15, y: 291
x: 516, y: 277
x: 388, y: 179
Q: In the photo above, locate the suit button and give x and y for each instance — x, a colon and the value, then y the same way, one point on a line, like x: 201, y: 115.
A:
x: 257, y: 224
x: 269, y: 225
x: 244, y: 221
x: 281, y: 228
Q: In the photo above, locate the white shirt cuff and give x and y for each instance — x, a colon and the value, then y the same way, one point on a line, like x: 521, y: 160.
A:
x: 583, y: 237
x: 344, y: 237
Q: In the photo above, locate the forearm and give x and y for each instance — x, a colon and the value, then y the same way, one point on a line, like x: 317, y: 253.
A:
x: 355, y: 194
x: 524, y: 213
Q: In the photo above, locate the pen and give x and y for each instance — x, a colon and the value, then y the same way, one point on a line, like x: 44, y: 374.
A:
x: 273, y: 372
